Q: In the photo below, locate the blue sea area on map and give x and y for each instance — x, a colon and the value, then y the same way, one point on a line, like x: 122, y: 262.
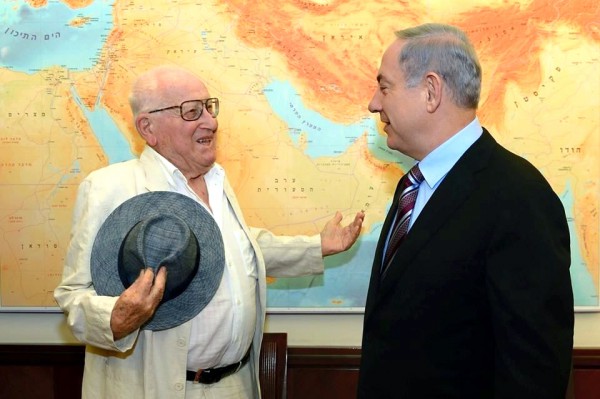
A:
x: 585, y: 292
x: 343, y: 286
x: 49, y: 39
x: 111, y: 139
x: 323, y: 137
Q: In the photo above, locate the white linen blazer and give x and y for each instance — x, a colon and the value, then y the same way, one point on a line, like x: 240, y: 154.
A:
x: 152, y: 364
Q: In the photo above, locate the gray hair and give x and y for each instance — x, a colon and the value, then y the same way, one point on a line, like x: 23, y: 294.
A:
x: 447, y: 51
x: 142, y: 90
x: 148, y: 90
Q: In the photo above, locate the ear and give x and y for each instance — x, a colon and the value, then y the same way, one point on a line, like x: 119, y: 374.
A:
x: 434, y: 91
x: 143, y: 124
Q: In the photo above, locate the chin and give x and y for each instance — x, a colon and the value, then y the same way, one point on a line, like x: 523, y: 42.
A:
x: 210, y: 161
x: 390, y: 144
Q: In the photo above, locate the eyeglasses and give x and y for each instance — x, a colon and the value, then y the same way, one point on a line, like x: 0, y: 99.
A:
x: 191, y: 110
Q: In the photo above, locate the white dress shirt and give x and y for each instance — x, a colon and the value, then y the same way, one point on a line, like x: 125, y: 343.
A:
x: 436, y: 165
x: 222, y: 332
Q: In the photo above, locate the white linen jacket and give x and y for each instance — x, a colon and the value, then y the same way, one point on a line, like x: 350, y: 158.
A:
x: 148, y: 364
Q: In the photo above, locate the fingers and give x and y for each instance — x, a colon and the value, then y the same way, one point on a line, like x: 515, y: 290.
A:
x: 161, y: 276
x: 336, y: 238
x: 337, y: 218
x: 138, y: 302
x: 356, y: 224
x: 143, y: 284
x: 151, y: 286
x: 334, y: 221
x: 359, y: 218
x: 158, y: 288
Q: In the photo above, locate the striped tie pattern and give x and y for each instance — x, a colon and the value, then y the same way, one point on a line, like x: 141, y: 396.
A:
x: 406, y: 202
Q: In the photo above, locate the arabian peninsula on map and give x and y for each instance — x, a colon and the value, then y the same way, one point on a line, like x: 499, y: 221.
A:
x: 295, y: 136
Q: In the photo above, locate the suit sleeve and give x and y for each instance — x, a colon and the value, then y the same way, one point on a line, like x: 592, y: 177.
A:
x: 530, y: 294
x: 88, y: 315
x: 289, y: 256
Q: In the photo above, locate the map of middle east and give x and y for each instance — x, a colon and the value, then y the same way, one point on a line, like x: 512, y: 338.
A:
x: 294, y: 79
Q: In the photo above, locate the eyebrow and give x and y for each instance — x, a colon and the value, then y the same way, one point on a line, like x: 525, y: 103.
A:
x: 382, y: 79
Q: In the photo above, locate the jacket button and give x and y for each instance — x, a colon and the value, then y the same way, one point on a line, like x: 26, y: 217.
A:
x: 179, y: 386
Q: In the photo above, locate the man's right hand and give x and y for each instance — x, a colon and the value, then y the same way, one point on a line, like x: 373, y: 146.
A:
x: 137, y: 304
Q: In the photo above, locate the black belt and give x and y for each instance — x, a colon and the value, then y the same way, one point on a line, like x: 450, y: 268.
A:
x: 211, y: 376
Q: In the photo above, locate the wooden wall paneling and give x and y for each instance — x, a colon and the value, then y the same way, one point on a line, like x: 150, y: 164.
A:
x: 41, y: 371
x: 55, y: 372
x: 586, y: 374
x: 322, y: 373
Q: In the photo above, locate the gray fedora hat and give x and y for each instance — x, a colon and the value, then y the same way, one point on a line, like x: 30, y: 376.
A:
x: 154, y: 229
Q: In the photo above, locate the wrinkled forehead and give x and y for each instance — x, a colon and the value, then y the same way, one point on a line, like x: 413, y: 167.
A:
x: 186, y: 90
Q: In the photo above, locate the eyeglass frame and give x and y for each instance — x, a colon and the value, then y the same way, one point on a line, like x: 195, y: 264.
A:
x: 180, y: 106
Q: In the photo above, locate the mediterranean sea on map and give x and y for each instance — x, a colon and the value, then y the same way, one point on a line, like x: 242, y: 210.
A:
x: 295, y: 136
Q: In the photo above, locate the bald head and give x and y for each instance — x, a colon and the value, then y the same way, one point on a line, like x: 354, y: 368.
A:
x: 154, y: 87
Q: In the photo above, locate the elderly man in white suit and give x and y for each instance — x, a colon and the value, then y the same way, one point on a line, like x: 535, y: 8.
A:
x: 176, y: 116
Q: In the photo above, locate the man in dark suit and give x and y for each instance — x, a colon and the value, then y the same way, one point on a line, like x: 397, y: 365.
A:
x: 476, y: 300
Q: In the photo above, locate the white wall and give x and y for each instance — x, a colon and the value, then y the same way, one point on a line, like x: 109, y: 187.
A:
x: 302, y: 329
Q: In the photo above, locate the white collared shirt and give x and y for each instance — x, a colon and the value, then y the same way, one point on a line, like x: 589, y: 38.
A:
x: 222, y: 332
x: 436, y: 165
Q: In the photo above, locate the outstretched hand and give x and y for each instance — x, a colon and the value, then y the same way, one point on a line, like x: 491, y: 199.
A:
x: 335, y: 238
x: 137, y: 304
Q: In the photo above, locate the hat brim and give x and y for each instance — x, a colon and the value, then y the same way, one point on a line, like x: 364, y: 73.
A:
x: 105, y: 254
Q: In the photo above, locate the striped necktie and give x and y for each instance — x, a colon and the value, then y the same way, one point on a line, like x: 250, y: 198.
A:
x: 409, y: 189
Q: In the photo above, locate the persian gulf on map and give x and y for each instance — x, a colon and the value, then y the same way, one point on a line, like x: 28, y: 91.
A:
x: 294, y: 79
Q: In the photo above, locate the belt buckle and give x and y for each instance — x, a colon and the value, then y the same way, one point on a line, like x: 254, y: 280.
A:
x: 207, y: 377
x: 197, y: 376
x: 239, y: 366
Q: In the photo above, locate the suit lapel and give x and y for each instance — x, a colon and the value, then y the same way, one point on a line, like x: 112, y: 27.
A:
x: 153, y: 173
x: 231, y: 198
x: 452, y: 192
x: 376, y: 267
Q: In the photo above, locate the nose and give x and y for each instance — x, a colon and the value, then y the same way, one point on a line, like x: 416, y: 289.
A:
x: 375, y: 103
x: 207, y: 121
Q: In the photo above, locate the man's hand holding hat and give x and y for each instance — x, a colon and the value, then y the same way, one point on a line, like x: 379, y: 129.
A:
x: 145, y: 234
x: 137, y: 304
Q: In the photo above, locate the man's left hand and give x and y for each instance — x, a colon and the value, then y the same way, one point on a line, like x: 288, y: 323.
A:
x: 335, y: 238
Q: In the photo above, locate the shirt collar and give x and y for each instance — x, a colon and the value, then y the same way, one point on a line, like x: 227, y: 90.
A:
x: 173, y: 174
x: 439, y: 161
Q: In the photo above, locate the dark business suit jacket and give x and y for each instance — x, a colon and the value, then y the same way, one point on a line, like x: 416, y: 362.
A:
x: 477, y: 302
